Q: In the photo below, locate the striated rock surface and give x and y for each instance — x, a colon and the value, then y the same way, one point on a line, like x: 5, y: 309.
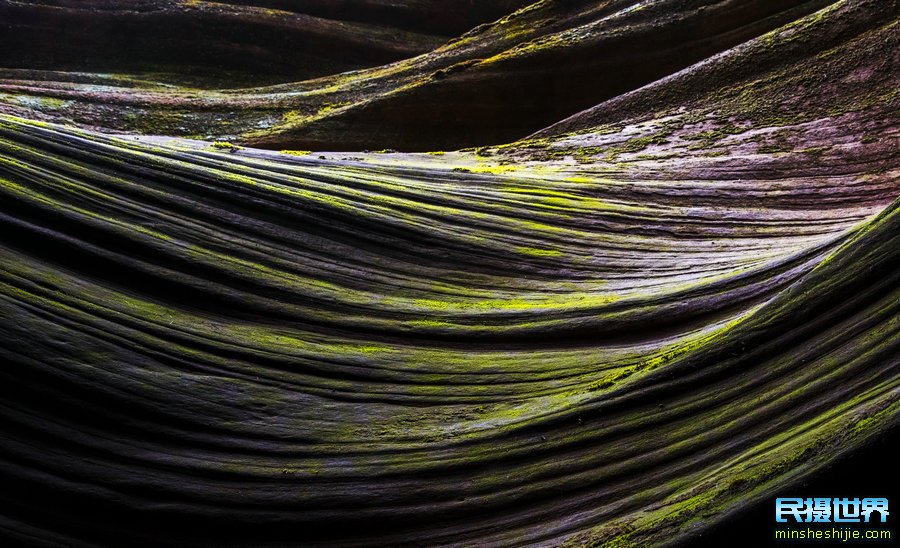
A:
x: 659, y: 285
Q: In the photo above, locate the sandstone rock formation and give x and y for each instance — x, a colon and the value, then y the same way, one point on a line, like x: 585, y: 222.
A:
x: 617, y: 270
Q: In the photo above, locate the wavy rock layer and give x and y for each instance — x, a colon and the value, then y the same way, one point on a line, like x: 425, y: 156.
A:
x: 617, y: 331
x: 209, y: 43
x: 497, y: 83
